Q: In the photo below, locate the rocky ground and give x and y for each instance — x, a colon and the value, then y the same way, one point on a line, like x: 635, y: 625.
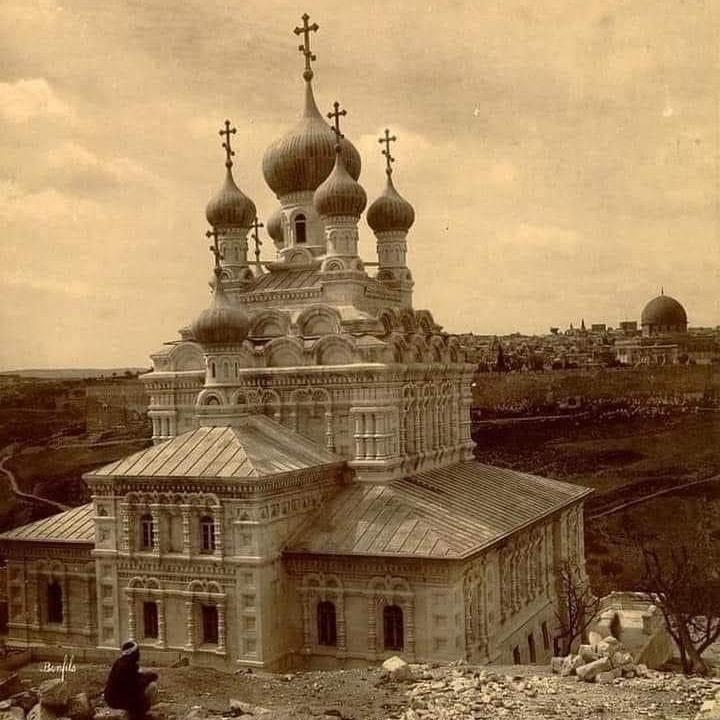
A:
x: 417, y: 692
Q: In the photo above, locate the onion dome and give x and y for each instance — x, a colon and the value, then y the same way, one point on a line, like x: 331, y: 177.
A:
x: 304, y: 157
x: 222, y: 323
x: 391, y: 211
x: 274, y: 226
x: 664, y: 312
x: 230, y: 208
x: 340, y: 195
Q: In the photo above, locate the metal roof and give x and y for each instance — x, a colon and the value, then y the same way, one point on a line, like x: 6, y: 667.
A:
x: 256, y: 447
x: 449, y: 512
x: 72, y: 526
x: 286, y: 280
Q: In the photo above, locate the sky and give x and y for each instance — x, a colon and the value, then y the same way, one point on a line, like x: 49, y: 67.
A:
x: 562, y: 156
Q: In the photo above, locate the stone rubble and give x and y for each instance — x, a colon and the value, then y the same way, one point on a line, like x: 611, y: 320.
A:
x: 603, y: 662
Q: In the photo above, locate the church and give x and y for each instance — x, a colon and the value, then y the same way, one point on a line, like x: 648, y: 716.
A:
x: 310, y: 498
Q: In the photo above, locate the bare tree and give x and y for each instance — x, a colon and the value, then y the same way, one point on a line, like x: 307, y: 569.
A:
x: 577, y: 605
x: 683, y: 579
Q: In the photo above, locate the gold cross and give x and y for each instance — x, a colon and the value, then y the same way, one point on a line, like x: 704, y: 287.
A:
x: 389, y: 159
x: 215, y: 250
x: 335, y: 115
x: 256, y: 237
x: 228, y: 150
x: 305, y: 30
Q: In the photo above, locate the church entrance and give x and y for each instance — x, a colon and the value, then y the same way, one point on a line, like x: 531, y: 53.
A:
x: 394, y: 635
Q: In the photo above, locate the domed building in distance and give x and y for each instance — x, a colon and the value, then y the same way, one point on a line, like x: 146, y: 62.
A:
x: 311, y: 497
x: 663, y: 315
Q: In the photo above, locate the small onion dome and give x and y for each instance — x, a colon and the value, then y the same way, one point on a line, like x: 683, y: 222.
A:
x: 274, y: 226
x: 303, y: 158
x: 664, y: 311
x: 340, y: 195
x: 391, y: 211
x: 230, y: 208
x: 222, y: 323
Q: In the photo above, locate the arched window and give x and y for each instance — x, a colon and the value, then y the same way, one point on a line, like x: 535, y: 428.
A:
x: 212, y: 400
x: 393, y: 627
x: 207, y: 534
x: 54, y: 602
x: 326, y: 625
x: 147, y: 532
x: 212, y: 369
x: 150, y: 620
x: 300, y: 229
x: 209, y: 624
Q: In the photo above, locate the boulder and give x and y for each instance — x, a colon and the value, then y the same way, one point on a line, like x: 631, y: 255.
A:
x: 395, y: 668
x: 238, y: 707
x: 570, y: 665
x: 10, y: 686
x: 53, y: 694
x: 107, y: 713
x: 590, y: 670
x: 25, y: 699
x: 587, y: 653
x: 38, y: 712
x: 12, y: 713
x: 79, y: 707
x: 556, y: 664
x: 608, y: 676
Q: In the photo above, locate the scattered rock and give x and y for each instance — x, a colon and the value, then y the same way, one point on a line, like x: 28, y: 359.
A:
x: 25, y: 699
x: 54, y: 694
x: 38, y: 712
x: 12, y: 713
x: 107, y: 713
x: 238, y: 707
x: 10, y: 686
x: 589, y: 671
x: 395, y: 668
x: 79, y: 707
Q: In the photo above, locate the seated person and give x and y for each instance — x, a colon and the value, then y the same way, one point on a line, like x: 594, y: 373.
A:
x: 128, y: 687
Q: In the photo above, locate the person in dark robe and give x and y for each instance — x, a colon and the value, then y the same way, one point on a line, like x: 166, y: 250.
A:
x: 128, y: 687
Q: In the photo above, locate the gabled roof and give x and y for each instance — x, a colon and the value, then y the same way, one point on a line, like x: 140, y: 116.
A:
x: 256, y: 447
x: 72, y: 526
x: 449, y: 512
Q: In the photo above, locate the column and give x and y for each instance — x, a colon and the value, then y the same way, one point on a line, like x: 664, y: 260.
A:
x: 307, y: 636
x: 410, y: 612
x: 218, y: 523
x: 161, y: 620
x: 125, y: 543
x: 89, y: 594
x: 65, y: 584
x: 156, y: 518
x: 341, y: 632
x: 190, y: 619
x: 221, y: 626
x: 329, y: 440
x: 186, y: 529
x: 131, y: 615
x: 372, y: 624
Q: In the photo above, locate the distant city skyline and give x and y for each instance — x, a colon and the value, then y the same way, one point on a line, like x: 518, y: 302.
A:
x: 562, y: 158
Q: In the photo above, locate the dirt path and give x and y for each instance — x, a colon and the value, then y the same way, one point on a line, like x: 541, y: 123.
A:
x: 657, y: 493
x: 23, y: 495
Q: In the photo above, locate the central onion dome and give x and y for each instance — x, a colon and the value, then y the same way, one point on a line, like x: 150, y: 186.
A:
x: 340, y: 195
x: 391, y: 211
x: 304, y: 157
x: 230, y: 208
x: 664, y: 312
x: 222, y: 323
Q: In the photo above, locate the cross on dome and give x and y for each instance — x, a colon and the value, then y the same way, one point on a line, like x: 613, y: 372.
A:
x: 335, y: 116
x: 256, y: 238
x: 386, y: 140
x: 229, y: 152
x: 304, y: 48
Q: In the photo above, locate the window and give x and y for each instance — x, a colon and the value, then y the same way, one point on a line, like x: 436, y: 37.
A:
x: 517, y: 659
x: 150, y: 620
x: 393, y: 627
x: 209, y: 624
x: 327, y: 628
x: 147, y: 532
x: 207, y: 534
x: 531, y: 648
x: 546, y: 636
x: 54, y: 602
x: 300, y: 229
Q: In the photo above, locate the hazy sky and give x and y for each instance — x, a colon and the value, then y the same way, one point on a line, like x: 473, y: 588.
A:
x: 561, y: 155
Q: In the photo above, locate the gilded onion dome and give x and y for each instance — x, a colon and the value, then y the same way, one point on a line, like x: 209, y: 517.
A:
x: 274, y: 226
x: 304, y: 157
x: 391, y: 211
x: 222, y: 323
x: 340, y: 195
x: 230, y: 208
